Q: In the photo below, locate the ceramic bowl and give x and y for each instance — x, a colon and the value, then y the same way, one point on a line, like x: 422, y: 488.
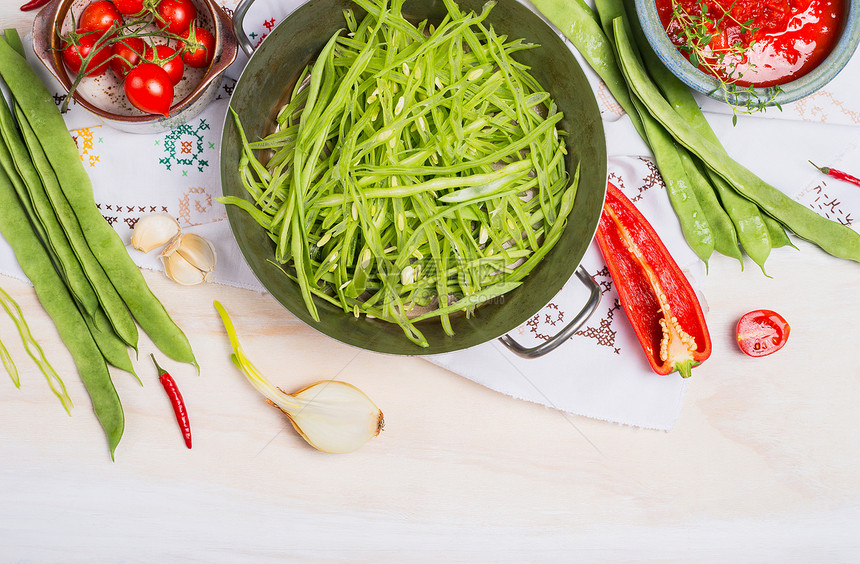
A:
x: 103, y: 95
x: 706, y: 84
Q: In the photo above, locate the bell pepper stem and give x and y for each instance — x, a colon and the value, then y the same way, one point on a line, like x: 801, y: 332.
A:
x: 685, y: 367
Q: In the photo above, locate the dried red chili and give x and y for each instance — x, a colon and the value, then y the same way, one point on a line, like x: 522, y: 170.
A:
x: 656, y: 296
x: 176, y: 400
x: 837, y: 174
x: 33, y: 4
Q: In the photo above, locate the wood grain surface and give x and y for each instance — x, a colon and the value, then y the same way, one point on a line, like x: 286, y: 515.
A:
x: 762, y: 466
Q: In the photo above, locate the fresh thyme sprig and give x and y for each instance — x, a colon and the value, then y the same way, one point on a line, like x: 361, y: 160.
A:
x: 697, y: 32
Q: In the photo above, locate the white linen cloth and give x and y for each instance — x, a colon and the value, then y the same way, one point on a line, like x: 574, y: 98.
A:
x: 601, y: 371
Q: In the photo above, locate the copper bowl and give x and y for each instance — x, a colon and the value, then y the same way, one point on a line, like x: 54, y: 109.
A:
x: 103, y: 95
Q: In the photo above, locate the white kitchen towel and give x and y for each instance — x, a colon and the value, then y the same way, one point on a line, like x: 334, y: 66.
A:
x: 601, y: 372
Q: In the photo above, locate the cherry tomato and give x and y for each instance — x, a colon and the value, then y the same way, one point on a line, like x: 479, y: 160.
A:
x: 164, y: 56
x: 129, y: 7
x: 127, y: 54
x: 198, y: 52
x: 762, y: 332
x: 99, y: 16
x: 73, y: 55
x: 147, y: 86
x: 175, y: 16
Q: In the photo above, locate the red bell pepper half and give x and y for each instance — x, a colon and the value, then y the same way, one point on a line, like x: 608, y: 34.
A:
x: 656, y: 296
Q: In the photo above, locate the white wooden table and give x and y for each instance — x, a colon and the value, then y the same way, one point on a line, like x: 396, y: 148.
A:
x: 763, y: 464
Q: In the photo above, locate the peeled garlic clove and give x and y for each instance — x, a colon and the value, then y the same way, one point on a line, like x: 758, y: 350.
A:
x: 189, y: 259
x: 154, y: 230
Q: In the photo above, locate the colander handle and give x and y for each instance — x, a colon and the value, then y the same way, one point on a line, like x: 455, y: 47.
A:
x: 568, y: 331
x: 238, y: 27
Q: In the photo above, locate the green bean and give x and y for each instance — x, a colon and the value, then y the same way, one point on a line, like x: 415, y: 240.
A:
x: 831, y: 236
x: 473, y: 300
x: 725, y: 236
x: 49, y: 200
x: 58, y: 303
x: 694, y: 223
x: 34, y: 350
x: 9, y: 364
x: 680, y: 189
x: 581, y: 26
x: 17, y: 162
x: 747, y: 219
x: 776, y: 232
x: 38, y: 106
x: 113, y: 348
x: 424, y: 158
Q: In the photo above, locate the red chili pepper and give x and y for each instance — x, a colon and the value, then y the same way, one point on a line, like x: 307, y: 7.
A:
x: 655, y: 294
x: 33, y: 4
x: 176, y: 400
x: 837, y: 174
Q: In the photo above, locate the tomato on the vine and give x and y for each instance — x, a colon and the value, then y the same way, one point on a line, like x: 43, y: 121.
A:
x: 762, y: 332
x: 129, y: 7
x: 167, y: 58
x: 99, y: 17
x: 73, y: 55
x: 175, y: 16
x: 148, y: 88
x: 198, y: 50
x: 127, y: 54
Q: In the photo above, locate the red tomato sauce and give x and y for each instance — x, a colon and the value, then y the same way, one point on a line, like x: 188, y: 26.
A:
x: 775, y: 41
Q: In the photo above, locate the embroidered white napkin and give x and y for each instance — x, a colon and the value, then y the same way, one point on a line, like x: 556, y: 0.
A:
x: 601, y: 372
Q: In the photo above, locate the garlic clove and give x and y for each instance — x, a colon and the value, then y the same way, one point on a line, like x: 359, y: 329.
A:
x: 198, y: 251
x: 154, y: 230
x: 188, y: 259
x: 181, y: 271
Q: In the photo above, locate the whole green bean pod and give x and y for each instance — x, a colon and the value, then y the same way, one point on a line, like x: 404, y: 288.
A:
x: 51, y: 203
x: 679, y: 96
x: 581, y: 26
x: 746, y: 219
x: 725, y: 236
x: 19, y: 166
x: 58, y: 303
x: 681, y: 191
x: 694, y: 223
x: 776, y: 231
x: 833, y: 237
x: 107, y: 246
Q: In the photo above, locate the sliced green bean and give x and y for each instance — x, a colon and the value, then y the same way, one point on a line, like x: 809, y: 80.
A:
x: 421, y: 171
x: 34, y: 350
x: 9, y: 364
